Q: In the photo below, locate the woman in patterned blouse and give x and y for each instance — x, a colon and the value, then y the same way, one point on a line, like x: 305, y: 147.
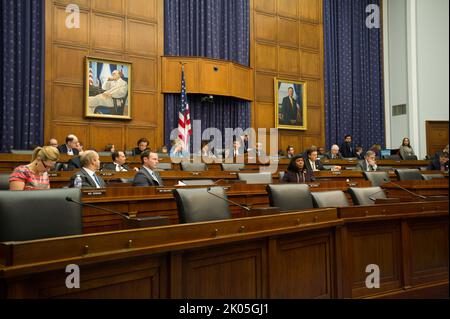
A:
x: 34, y: 175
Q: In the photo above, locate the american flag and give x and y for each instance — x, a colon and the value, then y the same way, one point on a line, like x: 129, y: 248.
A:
x: 184, y: 118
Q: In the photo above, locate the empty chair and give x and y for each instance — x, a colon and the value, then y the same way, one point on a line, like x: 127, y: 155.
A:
x: 407, y: 174
x: 377, y: 178
x: 39, y: 214
x: 329, y: 199
x: 428, y: 177
x: 290, y: 196
x: 198, y: 182
x: 256, y: 178
x: 193, y: 167
x: 232, y: 166
x: 410, y: 158
x: 366, y: 195
x: 4, y: 181
x: 164, y: 167
x: 197, y: 205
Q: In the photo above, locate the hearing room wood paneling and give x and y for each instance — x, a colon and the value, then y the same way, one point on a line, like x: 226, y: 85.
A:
x: 287, y: 43
x: 128, y: 30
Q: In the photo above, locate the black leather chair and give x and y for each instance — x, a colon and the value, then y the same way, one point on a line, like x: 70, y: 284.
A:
x: 197, y: 205
x: 410, y: 158
x: 290, y: 196
x: 393, y: 157
x: 408, y: 174
x: 255, y: 178
x: 193, y: 167
x: 329, y: 199
x: 377, y: 178
x: 428, y: 177
x: 30, y: 215
x: 362, y: 195
x: 4, y: 181
x: 191, y: 182
x: 232, y: 166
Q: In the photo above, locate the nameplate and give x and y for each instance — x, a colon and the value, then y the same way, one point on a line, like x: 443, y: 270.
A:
x: 352, y: 184
x: 314, y: 185
x: 107, y: 174
x: 93, y: 192
x: 53, y: 174
x: 164, y: 190
x: 336, y: 172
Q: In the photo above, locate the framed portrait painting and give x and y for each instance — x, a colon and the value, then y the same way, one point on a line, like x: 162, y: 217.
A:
x: 108, y: 88
x: 290, y: 104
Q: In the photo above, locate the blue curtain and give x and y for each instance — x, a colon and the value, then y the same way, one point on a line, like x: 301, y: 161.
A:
x: 22, y: 80
x: 214, y: 29
x: 354, y: 101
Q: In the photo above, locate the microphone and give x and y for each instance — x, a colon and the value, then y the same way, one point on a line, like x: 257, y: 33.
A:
x: 404, y: 189
x: 248, y: 209
x: 373, y: 198
x: 70, y: 199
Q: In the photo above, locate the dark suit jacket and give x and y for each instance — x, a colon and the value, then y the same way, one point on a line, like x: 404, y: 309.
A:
x: 143, y: 178
x: 88, y: 182
x: 289, y: 111
x: 362, y: 166
x: 63, y: 149
x: 347, y: 150
x: 74, y: 163
x: 291, y: 177
x: 112, y: 167
x: 319, y: 165
x: 329, y: 156
x: 435, y: 165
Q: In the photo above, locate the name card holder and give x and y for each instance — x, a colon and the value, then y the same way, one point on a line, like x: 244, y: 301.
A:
x: 93, y: 192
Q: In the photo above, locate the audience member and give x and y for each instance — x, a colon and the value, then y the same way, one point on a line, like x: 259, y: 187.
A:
x: 297, y: 172
x: 405, y: 149
x: 359, y: 152
x: 334, y: 153
x: 142, y: 145
x: 147, y: 175
x: 70, y: 148
x: 178, y: 149
x: 118, y: 164
x: 53, y: 142
x: 290, y: 152
x: 312, y: 163
x: 34, y: 175
x: 90, y: 163
x: 110, y: 148
x: 440, y: 164
x: 368, y: 164
x: 321, y: 153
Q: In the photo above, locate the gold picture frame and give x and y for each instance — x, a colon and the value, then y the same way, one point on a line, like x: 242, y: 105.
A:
x: 107, y: 88
x: 290, y: 104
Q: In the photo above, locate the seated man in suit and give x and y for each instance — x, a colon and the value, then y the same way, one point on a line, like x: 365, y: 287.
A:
x: 70, y: 148
x: 440, y: 164
x: 334, y: 153
x: 118, y: 164
x: 346, y: 148
x: 90, y: 163
x: 369, y: 163
x: 312, y: 163
x: 147, y: 176
x: 290, y: 151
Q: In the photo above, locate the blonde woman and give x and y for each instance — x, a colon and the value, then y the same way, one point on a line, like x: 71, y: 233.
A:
x: 34, y: 175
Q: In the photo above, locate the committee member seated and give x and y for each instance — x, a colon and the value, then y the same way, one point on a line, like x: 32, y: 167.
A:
x: 438, y: 153
x: 34, y: 175
x: 406, y: 149
x: 147, y: 176
x: 118, y: 164
x: 333, y: 153
x: 297, y: 172
x: 53, y: 142
x: 142, y: 145
x: 369, y: 163
x: 90, y: 163
x: 70, y: 148
x: 312, y: 163
x: 440, y: 164
x: 290, y: 151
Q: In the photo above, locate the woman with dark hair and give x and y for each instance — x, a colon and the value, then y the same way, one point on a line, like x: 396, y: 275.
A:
x: 405, y: 149
x: 297, y: 172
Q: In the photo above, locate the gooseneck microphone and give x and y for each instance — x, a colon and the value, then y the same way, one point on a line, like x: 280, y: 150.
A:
x: 70, y: 199
x: 404, y: 189
x: 228, y: 200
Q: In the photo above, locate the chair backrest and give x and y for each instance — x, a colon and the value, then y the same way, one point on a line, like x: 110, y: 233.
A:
x: 29, y: 215
x: 193, y: 167
x: 407, y: 174
x: 410, y: 158
x: 393, y: 157
x: 4, y: 181
x: 197, y: 205
x: 232, y: 166
x: 362, y: 195
x: 377, y: 178
x: 164, y: 166
x: 198, y: 182
x: 329, y: 199
x: 428, y: 177
x: 290, y: 196
x: 256, y: 178
x: 23, y: 152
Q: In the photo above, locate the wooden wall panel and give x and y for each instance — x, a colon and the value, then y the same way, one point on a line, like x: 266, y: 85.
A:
x: 241, y: 82
x: 215, y: 77
x: 129, y: 30
x: 293, y: 50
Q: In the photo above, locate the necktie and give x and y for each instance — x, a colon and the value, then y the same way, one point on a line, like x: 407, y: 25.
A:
x: 97, y: 181
x: 154, y: 177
